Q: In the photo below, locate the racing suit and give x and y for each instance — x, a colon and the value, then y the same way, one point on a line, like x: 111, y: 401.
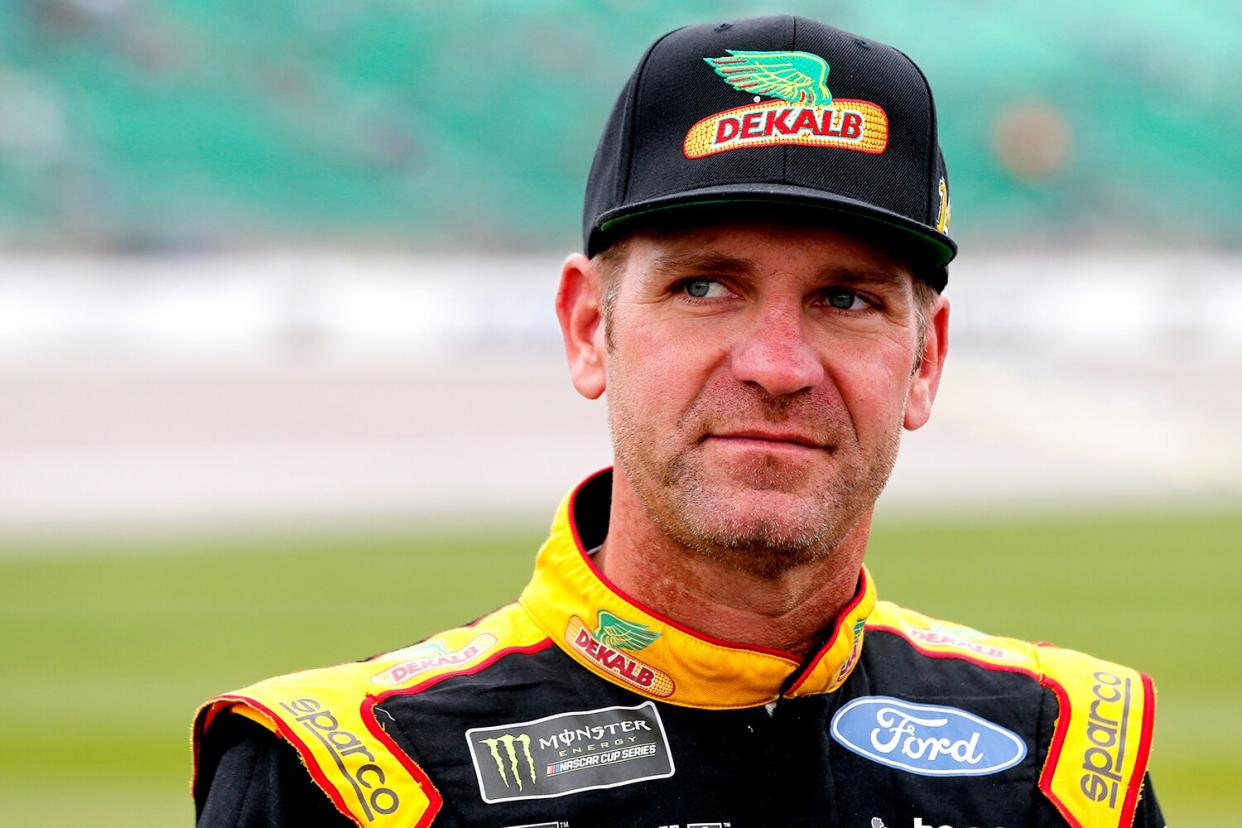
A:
x: 577, y: 707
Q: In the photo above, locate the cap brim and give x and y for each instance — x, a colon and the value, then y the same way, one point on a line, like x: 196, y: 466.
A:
x: 924, y: 244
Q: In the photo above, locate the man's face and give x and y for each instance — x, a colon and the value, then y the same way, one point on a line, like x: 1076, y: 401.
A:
x: 758, y: 378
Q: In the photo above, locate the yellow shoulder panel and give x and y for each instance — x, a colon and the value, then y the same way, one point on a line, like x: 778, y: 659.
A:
x: 328, y: 715
x: 1098, y: 756
x: 944, y: 639
x: 1096, y: 765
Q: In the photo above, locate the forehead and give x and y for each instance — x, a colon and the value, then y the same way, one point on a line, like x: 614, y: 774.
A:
x: 762, y: 246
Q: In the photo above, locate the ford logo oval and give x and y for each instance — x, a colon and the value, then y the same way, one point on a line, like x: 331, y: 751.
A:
x: 926, y: 739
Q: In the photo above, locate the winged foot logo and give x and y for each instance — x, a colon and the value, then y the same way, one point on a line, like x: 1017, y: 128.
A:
x: 803, y: 112
x: 797, y: 77
x: 925, y: 739
x: 617, y: 632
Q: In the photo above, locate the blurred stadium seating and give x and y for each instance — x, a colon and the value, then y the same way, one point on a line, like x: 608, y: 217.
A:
x: 191, y: 124
x: 190, y: 185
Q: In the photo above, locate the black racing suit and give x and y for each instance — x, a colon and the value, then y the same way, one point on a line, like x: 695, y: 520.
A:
x: 577, y: 707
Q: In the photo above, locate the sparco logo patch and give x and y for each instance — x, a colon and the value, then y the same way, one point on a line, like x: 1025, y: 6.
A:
x: 570, y: 752
x: 804, y: 111
x: 925, y: 739
x: 351, y: 756
x: 432, y: 655
x: 1106, y: 735
x: 604, y: 647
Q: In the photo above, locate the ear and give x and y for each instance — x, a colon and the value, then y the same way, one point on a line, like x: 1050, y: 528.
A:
x: 926, y: 379
x: 579, y: 308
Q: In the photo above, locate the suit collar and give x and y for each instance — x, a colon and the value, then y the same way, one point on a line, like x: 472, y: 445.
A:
x: 633, y: 646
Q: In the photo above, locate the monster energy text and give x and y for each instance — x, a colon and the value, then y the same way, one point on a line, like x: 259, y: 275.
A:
x: 595, y: 737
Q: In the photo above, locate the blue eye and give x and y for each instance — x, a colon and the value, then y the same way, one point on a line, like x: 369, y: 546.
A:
x: 704, y: 288
x: 845, y: 299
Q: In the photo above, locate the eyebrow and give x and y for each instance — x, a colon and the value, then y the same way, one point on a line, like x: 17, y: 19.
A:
x: 861, y: 275
x: 700, y: 263
x: 720, y: 263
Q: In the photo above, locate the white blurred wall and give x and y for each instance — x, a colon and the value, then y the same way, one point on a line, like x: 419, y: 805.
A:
x: 332, y: 386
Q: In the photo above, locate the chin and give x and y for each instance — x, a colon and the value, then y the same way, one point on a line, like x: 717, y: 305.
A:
x: 758, y: 520
x: 765, y: 474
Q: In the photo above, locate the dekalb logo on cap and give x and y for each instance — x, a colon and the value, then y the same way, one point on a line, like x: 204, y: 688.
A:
x: 804, y: 112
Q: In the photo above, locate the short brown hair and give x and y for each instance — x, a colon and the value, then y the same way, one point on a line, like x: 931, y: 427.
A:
x: 608, y: 264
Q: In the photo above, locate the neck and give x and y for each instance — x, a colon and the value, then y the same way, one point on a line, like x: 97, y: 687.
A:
x: 788, y: 611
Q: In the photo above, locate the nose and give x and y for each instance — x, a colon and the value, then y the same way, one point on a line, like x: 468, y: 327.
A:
x: 775, y: 355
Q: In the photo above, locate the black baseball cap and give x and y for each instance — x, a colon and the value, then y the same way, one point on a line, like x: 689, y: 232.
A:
x: 776, y: 112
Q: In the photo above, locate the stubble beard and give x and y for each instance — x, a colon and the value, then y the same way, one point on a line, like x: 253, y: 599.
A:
x: 670, y: 477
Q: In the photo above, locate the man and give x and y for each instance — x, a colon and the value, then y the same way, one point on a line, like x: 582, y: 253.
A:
x: 765, y: 234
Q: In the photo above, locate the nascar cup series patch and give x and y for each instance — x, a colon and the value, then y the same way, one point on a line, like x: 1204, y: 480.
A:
x: 803, y: 112
x: 570, y: 752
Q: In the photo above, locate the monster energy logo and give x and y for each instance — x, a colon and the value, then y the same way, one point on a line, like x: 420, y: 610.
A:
x: 577, y: 750
x: 510, y: 743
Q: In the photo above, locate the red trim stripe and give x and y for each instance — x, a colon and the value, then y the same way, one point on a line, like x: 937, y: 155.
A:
x: 367, y: 711
x: 1054, y: 750
x: 836, y: 633
x: 1059, y: 732
x: 308, y: 758
x: 1062, y: 727
x: 434, y: 800
x: 538, y: 646
x: 990, y: 665
x: 1149, y: 721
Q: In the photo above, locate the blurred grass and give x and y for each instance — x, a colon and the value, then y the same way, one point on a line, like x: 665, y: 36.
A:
x: 110, y: 646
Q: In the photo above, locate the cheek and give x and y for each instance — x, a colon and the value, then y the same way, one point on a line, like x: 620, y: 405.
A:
x: 872, y: 382
x: 661, y: 361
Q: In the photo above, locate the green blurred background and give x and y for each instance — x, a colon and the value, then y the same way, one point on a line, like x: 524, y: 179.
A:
x: 159, y: 160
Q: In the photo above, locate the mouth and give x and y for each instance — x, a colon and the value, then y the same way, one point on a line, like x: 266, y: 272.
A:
x: 765, y: 439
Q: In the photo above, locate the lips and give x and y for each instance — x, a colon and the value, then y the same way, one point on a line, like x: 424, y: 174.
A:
x: 764, y: 436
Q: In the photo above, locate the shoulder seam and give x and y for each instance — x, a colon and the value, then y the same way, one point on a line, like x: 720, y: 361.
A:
x: 475, y: 669
x: 1036, y: 675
